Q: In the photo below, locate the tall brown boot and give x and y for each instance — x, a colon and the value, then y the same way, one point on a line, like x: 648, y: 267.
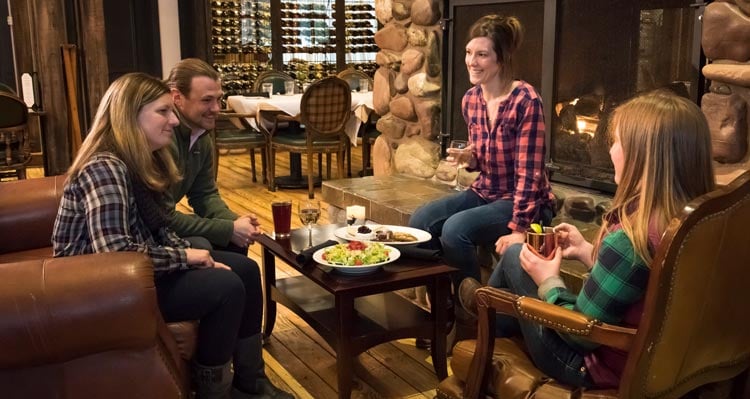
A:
x: 250, y: 380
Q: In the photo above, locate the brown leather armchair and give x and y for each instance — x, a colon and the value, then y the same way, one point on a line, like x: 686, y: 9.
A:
x: 82, y: 326
x: 694, y: 332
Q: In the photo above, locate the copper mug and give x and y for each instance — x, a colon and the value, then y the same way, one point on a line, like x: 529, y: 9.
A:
x: 542, y: 244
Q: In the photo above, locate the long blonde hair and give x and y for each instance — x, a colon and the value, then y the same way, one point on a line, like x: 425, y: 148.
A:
x: 666, y: 147
x: 115, y: 129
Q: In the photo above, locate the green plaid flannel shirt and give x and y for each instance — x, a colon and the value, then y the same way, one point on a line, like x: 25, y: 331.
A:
x: 618, y: 280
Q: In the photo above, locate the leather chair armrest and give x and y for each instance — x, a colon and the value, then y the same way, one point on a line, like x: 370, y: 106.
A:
x: 492, y: 300
x: 27, y: 212
x: 54, y: 310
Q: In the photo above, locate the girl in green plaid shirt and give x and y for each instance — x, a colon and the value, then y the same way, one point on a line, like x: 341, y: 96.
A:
x: 656, y: 140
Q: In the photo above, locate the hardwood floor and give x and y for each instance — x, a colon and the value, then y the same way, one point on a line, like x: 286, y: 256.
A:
x: 297, y: 356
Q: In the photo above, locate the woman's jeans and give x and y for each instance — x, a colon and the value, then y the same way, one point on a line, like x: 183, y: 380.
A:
x: 459, y: 223
x: 550, y: 353
x: 229, y: 304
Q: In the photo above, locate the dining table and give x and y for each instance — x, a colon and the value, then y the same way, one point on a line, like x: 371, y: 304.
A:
x: 263, y: 110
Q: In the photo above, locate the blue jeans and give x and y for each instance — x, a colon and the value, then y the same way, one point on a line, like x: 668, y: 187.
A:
x: 461, y: 222
x: 458, y: 224
x: 550, y: 353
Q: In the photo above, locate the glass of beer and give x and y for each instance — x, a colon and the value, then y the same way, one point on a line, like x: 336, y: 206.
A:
x: 282, y: 218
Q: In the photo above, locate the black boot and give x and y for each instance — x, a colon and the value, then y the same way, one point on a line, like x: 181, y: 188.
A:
x: 212, y: 382
x: 250, y: 381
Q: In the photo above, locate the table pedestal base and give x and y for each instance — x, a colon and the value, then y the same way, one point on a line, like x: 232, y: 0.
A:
x: 295, y: 182
x: 295, y: 179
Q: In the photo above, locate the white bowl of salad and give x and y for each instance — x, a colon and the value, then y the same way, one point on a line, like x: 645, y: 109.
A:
x: 356, y: 257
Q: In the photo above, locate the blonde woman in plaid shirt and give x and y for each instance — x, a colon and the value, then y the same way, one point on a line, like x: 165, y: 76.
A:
x: 506, y: 145
x: 113, y: 200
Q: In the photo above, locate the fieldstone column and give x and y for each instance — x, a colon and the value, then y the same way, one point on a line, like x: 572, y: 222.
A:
x: 407, y: 87
x: 726, y: 42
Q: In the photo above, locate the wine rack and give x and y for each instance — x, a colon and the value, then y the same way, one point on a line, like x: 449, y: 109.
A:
x: 241, y: 39
x: 308, y: 39
x: 243, y: 34
x: 361, y: 25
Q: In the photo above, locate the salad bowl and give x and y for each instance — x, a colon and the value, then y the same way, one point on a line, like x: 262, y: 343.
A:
x: 358, y: 269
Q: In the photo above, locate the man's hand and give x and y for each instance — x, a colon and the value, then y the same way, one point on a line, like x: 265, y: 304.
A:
x: 246, y: 228
x: 507, y: 240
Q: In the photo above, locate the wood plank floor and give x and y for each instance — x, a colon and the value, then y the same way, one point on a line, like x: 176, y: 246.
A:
x: 297, y: 356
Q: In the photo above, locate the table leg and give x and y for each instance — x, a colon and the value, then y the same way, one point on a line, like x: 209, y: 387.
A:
x: 344, y: 355
x: 441, y: 292
x: 269, y: 283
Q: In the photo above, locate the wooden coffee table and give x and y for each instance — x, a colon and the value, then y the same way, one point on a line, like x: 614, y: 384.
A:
x: 355, y: 313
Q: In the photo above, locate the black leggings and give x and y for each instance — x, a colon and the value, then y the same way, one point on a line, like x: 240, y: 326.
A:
x: 228, y: 304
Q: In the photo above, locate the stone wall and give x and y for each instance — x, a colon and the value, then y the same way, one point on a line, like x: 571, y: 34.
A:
x: 726, y: 43
x: 406, y: 92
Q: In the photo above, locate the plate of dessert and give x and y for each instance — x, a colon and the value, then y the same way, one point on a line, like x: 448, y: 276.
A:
x: 386, y: 234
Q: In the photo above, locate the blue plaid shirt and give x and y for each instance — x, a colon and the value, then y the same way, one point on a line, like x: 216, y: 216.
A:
x: 510, y: 154
x: 98, y: 213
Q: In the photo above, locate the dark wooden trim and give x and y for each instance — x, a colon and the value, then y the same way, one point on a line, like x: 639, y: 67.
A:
x: 195, y: 29
x: 340, y: 18
x: 277, y: 57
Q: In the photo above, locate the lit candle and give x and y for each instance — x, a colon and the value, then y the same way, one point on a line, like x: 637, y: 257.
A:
x: 355, y: 212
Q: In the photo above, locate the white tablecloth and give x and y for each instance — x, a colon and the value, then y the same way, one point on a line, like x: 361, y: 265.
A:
x: 290, y: 105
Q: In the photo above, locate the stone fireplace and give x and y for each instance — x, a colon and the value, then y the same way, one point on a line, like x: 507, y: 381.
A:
x: 585, y: 57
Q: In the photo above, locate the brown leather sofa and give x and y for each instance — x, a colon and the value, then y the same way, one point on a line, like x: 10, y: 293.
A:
x: 83, y: 326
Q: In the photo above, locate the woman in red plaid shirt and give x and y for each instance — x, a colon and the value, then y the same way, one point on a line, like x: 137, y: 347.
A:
x: 506, y: 145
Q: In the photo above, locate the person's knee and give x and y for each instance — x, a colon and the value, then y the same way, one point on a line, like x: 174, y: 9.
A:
x: 418, y: 219
x: 455, y: 231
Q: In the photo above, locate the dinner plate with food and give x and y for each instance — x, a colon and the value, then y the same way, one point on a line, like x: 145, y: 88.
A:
x: 386, y: 234
x: 356, y: 257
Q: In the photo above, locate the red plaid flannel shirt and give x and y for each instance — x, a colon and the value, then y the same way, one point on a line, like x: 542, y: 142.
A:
x: 510, y: 154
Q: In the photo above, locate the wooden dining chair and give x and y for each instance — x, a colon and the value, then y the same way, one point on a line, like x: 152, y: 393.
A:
x: 694, y: 333
x: 228, y: 136
x: 368, y: 130
x: 324, y: 110
x: 277, y: 78
x: 14, y: 137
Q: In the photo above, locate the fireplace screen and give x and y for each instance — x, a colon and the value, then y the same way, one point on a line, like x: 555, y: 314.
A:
x: 608, y: 51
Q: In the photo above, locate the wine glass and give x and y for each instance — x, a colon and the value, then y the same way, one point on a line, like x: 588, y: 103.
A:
x: 309, y: 212
x: 458, y: 150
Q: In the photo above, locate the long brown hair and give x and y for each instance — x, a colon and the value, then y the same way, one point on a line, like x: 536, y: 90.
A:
x: 666, y: 146
x: 506, y: 34
x: 115, y: 129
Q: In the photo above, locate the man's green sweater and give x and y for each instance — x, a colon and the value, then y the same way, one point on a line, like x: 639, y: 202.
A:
x: 212, y: 218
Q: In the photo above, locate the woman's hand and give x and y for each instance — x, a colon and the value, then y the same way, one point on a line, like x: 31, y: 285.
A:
x: 463, y: 156
x: 201, y: 259
x: 506, y: 241
x: 540, y: 269
x: 573, y: 245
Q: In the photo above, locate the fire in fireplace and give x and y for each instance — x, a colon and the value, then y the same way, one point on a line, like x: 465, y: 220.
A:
x: 607, y: 52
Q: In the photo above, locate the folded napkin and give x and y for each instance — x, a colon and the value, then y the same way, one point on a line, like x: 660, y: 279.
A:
x: 305, y: 256
x: 415, y: 252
